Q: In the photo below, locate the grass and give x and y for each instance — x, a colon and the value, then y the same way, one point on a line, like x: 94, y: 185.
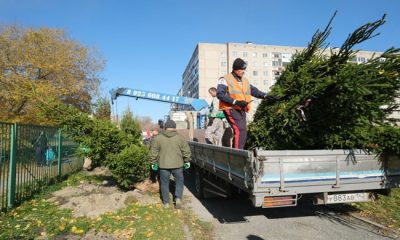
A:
x: 39, y: 218
x: 385, y: 210
x: 199, y: 229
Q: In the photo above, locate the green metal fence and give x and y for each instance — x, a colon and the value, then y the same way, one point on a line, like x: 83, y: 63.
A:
x: 30, y: 158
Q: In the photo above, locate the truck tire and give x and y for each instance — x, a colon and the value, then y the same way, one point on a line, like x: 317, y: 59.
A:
x: 198, y: 182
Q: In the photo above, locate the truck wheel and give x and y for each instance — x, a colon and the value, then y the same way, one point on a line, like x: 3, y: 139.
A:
x: 198, y: 182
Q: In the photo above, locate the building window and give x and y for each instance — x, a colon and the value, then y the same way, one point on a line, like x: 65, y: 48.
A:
x: 265, y: 82
x: 276, y: 55
x: 255, y: 73
x: 223, y: 54
x: 234, y: 54
x: 254, y: 54
x: 223, y: 64
x: 256, y: 82
x: 255, y: 64
x: 286, y: 56
x: 265, y: 73
x: 265, y: 64
x: 265, y: 55
x: 276, y: 63
x: 361, y: 59
x: 244, y: 54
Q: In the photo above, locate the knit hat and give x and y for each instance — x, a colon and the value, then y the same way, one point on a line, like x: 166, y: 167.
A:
x: 239, y: 64
x: 170, y: 124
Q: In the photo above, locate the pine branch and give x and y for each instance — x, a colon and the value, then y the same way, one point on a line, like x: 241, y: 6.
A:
x: 316, y: 44
x: 360, y: 35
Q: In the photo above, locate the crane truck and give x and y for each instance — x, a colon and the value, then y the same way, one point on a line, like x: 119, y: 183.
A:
x: 280, y: 178
x: 196, y: 103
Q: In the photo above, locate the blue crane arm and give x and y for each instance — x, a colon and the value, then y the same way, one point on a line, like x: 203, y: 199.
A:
x: 196, y: 103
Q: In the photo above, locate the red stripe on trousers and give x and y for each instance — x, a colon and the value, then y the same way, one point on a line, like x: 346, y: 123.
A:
x: 235, y: 128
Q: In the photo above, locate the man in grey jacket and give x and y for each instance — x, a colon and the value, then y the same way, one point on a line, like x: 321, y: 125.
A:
x: 171, y: 153
x: 215, y: 126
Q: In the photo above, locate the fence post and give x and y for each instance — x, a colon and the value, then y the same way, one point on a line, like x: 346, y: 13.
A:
x: 12, y: 167
x: 59, y: 140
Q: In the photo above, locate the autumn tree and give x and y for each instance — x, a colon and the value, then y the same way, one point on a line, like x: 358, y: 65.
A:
x: 41, y: 64
x: 146, y: 123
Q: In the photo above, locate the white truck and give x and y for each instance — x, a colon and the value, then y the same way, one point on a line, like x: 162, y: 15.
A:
x: 281, y: 178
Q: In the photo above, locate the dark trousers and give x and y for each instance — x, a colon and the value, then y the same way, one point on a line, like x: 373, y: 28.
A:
x: 164, y: 183
x: 237, y: 120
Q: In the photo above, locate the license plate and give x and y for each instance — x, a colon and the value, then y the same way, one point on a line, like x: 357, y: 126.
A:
x: 348, y: 197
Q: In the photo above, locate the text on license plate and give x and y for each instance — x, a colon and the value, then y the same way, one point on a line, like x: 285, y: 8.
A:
x: 348, y: 197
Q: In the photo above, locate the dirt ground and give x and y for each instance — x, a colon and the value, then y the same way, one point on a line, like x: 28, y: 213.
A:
x: 94, y: 199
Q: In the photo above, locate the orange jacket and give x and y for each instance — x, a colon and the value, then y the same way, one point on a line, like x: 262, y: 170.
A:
x: 236, y: 91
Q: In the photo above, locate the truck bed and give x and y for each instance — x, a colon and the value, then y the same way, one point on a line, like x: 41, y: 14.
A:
x: 292, y: 173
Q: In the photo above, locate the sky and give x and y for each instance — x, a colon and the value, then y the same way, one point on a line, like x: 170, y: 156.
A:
x: 147, y: 44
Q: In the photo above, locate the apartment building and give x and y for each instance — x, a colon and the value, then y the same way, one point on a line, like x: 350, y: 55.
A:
x: 210, y: 61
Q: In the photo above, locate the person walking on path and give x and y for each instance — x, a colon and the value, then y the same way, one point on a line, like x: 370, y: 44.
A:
x: 215, y: 126
x: 170, y: 153
x: 234, y: 92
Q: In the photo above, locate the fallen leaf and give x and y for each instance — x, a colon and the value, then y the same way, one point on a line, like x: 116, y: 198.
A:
x: 61, y: 227
x: 26, y: 227
x: 76, y: 230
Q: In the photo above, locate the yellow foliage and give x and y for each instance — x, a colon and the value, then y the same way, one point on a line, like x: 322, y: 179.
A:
x: 125, y: 233
x: 149, y: 234
x: 61, y: 227
x: 38, y: 65
x: 76, y: 230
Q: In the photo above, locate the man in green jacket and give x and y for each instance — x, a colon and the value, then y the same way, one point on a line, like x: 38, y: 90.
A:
x: 171, y: 153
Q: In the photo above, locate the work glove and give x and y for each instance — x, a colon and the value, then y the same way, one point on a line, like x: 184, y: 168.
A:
x: 186, y: 165
x: 154, y: 166
x: 241, y: 103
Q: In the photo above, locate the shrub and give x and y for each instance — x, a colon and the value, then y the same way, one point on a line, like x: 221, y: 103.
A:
x: 118, y: 149
x: 131, y: 127
x: 100, y: 136
x: 130, y: 165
